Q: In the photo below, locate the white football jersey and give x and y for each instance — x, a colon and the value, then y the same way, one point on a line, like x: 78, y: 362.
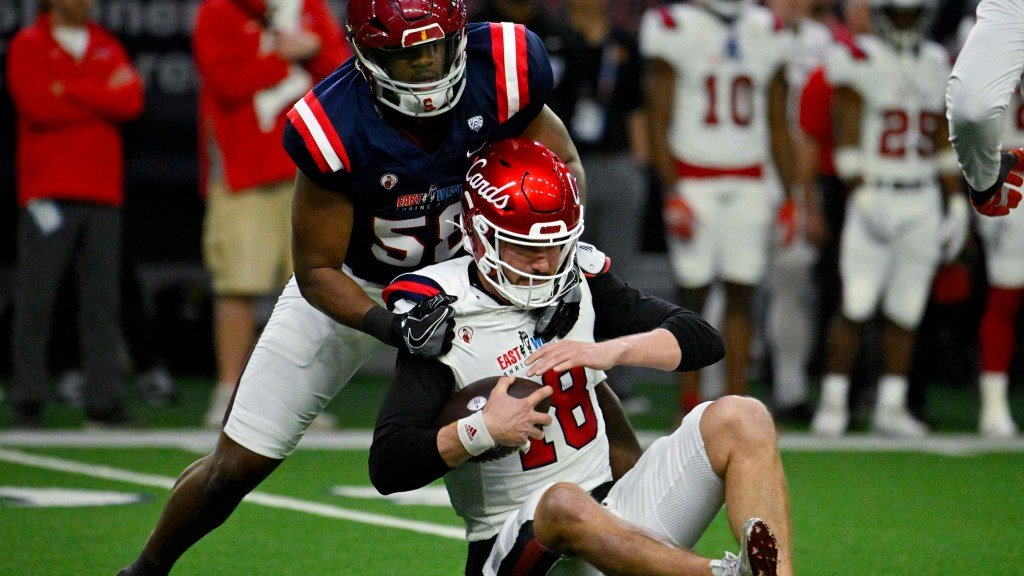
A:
x: 492, y: 340
x: 903, y: 103
x: 719, y: 116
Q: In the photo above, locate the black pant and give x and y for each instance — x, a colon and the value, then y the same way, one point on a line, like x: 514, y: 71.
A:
x: 89, y: 240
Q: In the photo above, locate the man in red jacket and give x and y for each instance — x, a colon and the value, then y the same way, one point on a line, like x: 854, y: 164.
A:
x: 255, y: 59
x: 72, y: 85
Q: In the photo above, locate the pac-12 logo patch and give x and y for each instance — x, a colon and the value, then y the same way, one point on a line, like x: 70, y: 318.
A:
x: 388, y: 181
x: 475, y: 123
x: 466, y: 334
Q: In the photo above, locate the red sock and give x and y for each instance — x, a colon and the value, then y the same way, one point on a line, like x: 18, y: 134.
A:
x: 998, y: 328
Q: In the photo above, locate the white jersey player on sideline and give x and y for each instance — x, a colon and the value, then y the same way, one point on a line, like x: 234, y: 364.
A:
x: 717, y: 94
x: 987, y: 71
x: 553, y: 509
x: 891, y: 144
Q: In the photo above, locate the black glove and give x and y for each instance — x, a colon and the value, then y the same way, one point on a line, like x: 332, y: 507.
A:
x: 556, y: 320
x: 429, y: 328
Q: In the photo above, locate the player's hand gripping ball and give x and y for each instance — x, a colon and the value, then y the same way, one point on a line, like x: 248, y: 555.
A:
x: 474, y: 397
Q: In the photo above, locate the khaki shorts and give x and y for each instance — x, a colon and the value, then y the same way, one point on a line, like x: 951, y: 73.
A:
x: 247, y: 239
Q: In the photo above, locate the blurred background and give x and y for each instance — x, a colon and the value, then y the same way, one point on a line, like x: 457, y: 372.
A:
x: 167, y: 300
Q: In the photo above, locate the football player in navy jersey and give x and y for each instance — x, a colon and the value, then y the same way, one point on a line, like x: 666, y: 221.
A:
x: 382, y: 145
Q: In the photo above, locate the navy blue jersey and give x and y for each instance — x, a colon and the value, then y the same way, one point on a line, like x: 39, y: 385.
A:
x: 406, y: 199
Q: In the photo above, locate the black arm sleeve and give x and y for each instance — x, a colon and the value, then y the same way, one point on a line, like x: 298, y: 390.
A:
x: 404, y: 455
x: 622, y: 310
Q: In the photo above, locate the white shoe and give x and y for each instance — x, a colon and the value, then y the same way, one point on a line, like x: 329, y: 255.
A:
x: 997, y: 426
x: 219, y: 401
x: 830, y: 420
x: 898, y: 422
x: 759, y: 553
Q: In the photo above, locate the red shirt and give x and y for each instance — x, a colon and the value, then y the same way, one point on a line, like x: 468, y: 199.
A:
x: 233, y: 68
x: 816, y: 117
x: 69, y: 143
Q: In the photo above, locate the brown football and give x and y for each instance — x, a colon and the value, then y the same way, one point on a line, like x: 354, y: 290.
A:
x: 473, y: 397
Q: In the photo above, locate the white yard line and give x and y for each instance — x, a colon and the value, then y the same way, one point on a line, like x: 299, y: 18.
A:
x: 259, y: 498
x: 202, y: 441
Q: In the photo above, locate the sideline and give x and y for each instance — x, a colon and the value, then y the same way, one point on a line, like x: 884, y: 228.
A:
x: 258, y: 498
x: 202, y: 441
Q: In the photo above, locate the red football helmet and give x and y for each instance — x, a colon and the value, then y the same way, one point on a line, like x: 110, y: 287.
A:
x: 519, y: 192
x: 425, y: 37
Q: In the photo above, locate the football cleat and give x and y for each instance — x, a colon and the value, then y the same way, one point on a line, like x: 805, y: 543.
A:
x: 759, y: 553
x: 997, y: 425
x: 898, y: 422
x: 830, y: 420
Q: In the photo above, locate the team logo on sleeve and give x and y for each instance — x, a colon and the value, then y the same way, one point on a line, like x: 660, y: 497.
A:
x: 475, y: 123
x: 388, y: 181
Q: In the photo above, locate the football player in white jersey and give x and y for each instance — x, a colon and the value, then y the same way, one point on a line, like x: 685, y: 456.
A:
x: 1003, y: 239
x: 579, y: 497
x: 987, y: 71
x: 717, y: 92
x: 892, y: 146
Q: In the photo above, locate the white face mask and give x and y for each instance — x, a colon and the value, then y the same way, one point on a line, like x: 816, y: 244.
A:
x: 422, y: 103
x: 419, y: 98
x: 540, y: 290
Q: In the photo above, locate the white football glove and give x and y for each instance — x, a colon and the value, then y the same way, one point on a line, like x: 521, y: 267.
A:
x: 953, y: 230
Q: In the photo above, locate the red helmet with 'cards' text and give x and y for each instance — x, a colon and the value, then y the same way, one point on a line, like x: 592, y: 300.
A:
x: 519, y: 192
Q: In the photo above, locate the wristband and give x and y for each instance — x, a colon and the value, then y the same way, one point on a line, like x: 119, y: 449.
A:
x: 383, y: 326
x: 849, y: 162
x: 474, y: 435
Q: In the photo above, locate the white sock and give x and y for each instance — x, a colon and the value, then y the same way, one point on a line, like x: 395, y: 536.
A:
x: 892, y: 392
x: 992, y: 388
x: 834, y: 390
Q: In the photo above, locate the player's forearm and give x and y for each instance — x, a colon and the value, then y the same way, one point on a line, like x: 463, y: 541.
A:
x: 783, y: 153
x: 986, y: 72
x: 782, y: 147
x: 334, y: 293
x: 656, y: 349
x: 809, y: 155
x: 404, y: 459
x: 451, y: 449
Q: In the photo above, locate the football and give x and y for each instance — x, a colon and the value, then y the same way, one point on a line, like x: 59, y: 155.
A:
x: 474, y: 396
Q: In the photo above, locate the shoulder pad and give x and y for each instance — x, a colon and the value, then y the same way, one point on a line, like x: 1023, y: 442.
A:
x: 591, y: 260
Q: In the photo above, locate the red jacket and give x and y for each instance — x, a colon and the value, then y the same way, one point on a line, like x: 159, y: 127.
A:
x: 233, y: 68
x: 69, y: 143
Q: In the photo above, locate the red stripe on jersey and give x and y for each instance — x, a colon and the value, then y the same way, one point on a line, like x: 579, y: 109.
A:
x: 507, y: 107
x: 523, y: 66
x: 666, y: 17
x: 300, y: 126
x: 842, y: 35
x: 409, y: 286
x: 686, y: 170
x: 498, y: 53
x: 328, y: 128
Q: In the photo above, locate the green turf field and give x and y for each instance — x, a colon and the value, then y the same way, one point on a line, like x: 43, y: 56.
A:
x: 875, y: 512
